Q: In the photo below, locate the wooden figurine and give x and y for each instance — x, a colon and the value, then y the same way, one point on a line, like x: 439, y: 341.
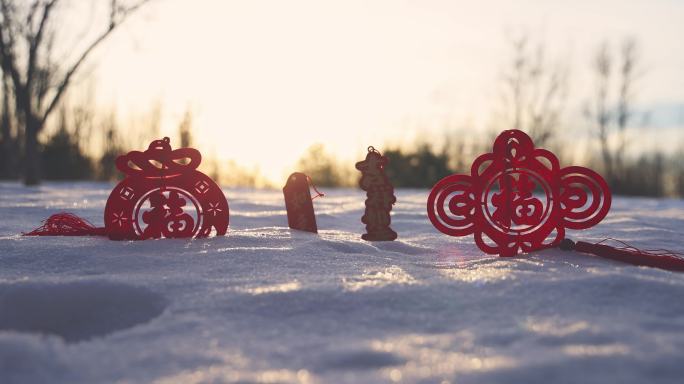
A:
x: 380, y: 197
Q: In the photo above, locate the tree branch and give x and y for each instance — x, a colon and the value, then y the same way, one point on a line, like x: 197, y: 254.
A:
x: 35, y: 40
x: 7, y: 59
x: 64, y: 84
x: 9, y: 22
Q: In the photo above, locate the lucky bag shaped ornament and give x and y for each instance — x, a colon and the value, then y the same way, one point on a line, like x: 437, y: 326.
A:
x: 518, y: 198
x: 163, y: 195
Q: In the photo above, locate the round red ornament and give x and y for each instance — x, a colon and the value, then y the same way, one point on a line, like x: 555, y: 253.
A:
x: 518, y: 198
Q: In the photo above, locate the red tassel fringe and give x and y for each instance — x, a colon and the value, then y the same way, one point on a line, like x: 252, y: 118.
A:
x: 66, y: 224
x: 626, y: 253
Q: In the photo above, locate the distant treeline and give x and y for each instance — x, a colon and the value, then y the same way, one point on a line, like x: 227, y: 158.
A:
x: 650, y: 174
x: 64, y: 156
x: 83, y: 144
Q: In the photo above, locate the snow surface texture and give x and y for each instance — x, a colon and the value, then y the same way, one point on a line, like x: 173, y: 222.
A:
x: 268, y: 305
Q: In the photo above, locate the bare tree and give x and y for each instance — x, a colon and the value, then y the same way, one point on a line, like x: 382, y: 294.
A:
x: 600, y: 115
x: 38, y: 82
x: 629, y: 62
x: 534, y: 91
x: 611, y: 111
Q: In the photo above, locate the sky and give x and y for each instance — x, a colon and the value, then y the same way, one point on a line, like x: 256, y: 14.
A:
x: 266, y: 79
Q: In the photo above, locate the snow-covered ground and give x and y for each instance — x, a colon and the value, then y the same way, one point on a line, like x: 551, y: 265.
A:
x: 268, y: 305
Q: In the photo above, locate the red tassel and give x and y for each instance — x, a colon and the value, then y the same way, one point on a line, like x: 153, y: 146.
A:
x: 318, y: 193
x: 626, y: 253
x: 66, y: 224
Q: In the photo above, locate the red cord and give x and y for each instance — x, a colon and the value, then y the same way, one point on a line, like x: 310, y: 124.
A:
x: 630, y: 248
x: 627, y: 253
x: 318, y: 193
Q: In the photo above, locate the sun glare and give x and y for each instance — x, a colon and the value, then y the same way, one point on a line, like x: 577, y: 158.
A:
x: 267, y: 79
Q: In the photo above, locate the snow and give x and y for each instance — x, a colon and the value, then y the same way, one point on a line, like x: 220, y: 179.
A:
x: 103, y: 307
x: 268, y: 305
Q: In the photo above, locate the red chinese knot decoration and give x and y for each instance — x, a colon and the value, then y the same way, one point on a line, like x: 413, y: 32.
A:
x: 518, y: 198
x: 380, y: 197
x: 164, y: 195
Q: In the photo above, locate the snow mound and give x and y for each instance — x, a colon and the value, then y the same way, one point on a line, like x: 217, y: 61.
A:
x: 76, y: 310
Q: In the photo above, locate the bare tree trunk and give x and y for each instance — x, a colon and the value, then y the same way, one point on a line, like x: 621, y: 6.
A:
x: 32, y: 155
x: 7, y: 142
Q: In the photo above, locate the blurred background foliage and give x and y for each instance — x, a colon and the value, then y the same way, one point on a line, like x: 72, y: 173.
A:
x: 83, y: 142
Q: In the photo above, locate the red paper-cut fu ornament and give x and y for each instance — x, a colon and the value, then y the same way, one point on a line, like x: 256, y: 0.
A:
x: 299, y: 202
x: 380, y: 197
x: 518, y: 198
x: 163, y: 195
